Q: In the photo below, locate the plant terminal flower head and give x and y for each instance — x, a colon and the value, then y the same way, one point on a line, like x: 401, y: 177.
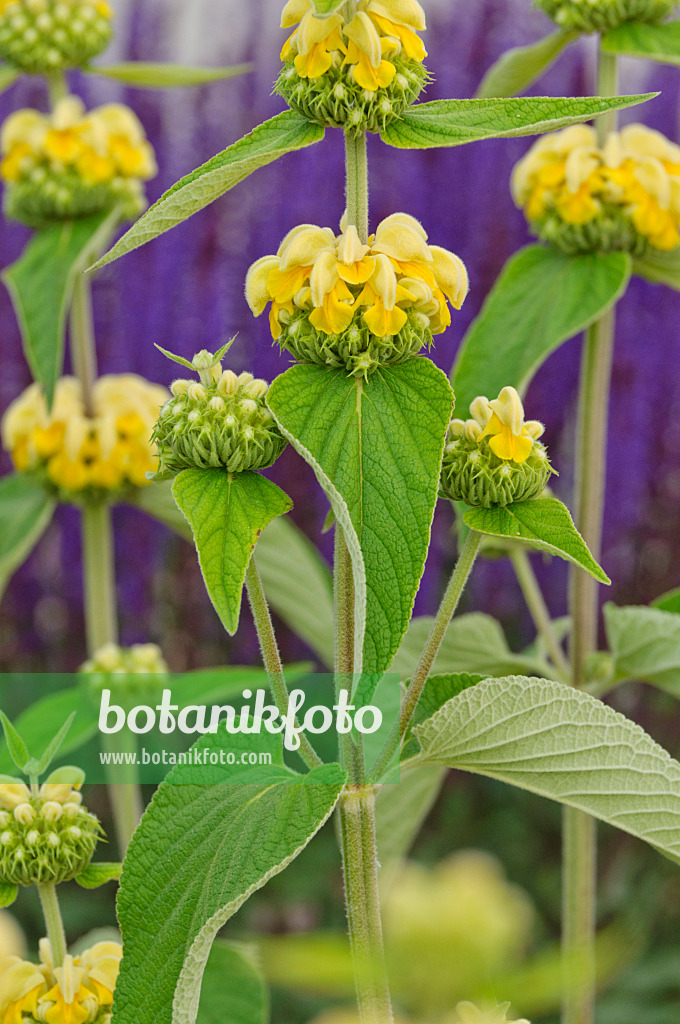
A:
x: 338, y: 302
x: 47, y: 36
x: 135, y: 675
x: 468, y: 1013
x: 601, y: 15
x: 359, y: 68
x: 495, y: 457
x: 218, y: 422
x: 581, y: 197
x: 48, y: 837
x: 72, y: 164
x: 81, y: 455
x: 78, y: 992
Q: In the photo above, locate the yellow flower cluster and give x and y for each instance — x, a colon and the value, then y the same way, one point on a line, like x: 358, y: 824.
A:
x: 583, y: 197
x: 337, y: 284
x: 72, y: 163
x: 80, y: 991
x: 376, y: 32
x: 76, y: 452
x: 47, y: 36
x: 511, y: 437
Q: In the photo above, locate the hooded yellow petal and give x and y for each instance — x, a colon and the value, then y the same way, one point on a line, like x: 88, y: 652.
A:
x: 363, y: 32
x: 401, y: 240
x: 294, y: 12
x: 403, y: 12
x: 257, y: 291
x: 450, y: 274
x: 303, y: 246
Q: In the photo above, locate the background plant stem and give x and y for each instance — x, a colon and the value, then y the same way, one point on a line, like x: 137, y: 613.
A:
x: 579, y: 886
x: 535, y: 602
x: 53, y: 922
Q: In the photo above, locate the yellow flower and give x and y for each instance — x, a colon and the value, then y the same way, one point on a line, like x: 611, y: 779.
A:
x: 511, y: 437
x: 74, y: 451
x: 80, y: 991
x: 632, y: 183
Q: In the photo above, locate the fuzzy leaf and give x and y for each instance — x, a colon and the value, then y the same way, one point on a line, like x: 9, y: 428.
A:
x: 669, y: 602
x: 40, y: 284
x: 200, y: 851
x: 519, y: 68
x: 8, y: 894
x: 233, y: 989
x: 563, y: 744
x: 15, y: 744
x: 376, y: 448
x: 541, y: 299
x: 659, y: 267
x: 36, y: 722
x: 298, y: 585
x: 95, y: 875
x: 26, y: 510
x: 283, y: 134
x: 227, y: 513
x: 456, y: 122
x: 645, y: 643
x: 147, y: 75
x: 157, y: 501
x: 55, y: 745
x: 654, y: 42
x: 545, y: 523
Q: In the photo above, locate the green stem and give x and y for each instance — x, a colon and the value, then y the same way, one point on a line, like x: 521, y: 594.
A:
x: 271, y: 656
x: 53, y: 922
x: 356, y: 165
x: 83, y: 351
x: 538, y: 609
x: 579, y: 888
x: 360, y: 867
x: 101, y: 624
x: 343, y: 591
x: 57, y: 87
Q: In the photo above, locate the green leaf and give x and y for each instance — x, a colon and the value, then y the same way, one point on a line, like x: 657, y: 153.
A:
x: 400, y: 810
x: 542, y: 298
x: 200, y: 851
x: 26, y: 510
x: 40, y: 284
x: 545, y: 523
x: 659, y: 267
x: 439, y: 689
x: 474, y: 644
x: 561, y: 743
x: 519, y: 68
x: 283, y: 134
x: 95, y: 875
x: 147, y: 75
x: 376, y: 449
x: 456, y: 122
x: 36, y: 722
x: 226, y: 513
x: 8, y: 894
x: 15, y: 744
x: 298, y: 585
x: 54, y: 745
x: 645, y: 643
x: 157, y: 501
x: 669, y: 602
x: 8, y: 76
x: 233, y: 989
x: 636, y: 39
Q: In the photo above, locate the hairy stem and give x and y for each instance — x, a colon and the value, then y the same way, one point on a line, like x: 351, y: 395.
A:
x: 271, y: 656
x: 343, y: 592
x: 535, y: 601
x: 360, y: 866
x: 83, y: 351
x: 356, y: 164
x: 53, y: 921
x: 57, y: 87
x: 101, y: 623
x: 579, y: 885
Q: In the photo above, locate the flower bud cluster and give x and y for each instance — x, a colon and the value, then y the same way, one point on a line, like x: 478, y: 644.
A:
x: 338, y: 302
x: 220, y: 423
x: 80, y: 991
x: 495, y: 458
x: 82, y: 456
x: 355, y: 72
x: 136, y: 675
x: 581, y: 197
x: 72, y: 164
x: 44, y: 36
x: 602, y: 15
x: 46, y: 838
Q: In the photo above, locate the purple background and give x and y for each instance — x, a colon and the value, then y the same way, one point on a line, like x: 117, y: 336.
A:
x: 185, y: 292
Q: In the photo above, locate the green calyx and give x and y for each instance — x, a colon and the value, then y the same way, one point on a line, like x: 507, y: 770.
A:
x: 335, y: 100
x: 611, y: 231
x: 46, y: 36
x: 602, y: 15
x: 223, y: 423
x: 472, y: 473
x: 44, y: 196
x: 357, y: 348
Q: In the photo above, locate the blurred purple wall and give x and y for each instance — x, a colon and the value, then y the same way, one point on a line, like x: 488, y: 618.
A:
x: 185, y: 291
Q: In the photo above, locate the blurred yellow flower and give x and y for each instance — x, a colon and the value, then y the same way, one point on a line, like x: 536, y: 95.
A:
x: 583, y: 197
x: 76, y: 452
x: 468, y: 1013
x: 12, y: 942
x: 47, y: 36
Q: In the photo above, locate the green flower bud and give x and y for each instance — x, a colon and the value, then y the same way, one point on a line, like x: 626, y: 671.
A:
x: 45, y: 838
x: 336, y: 100
x: 46, y: 36
x: 221, y: 423
x: 602, y: 15
x: 45, y: 196
x: 495, y: 458
x: 611, y: 231
x: 135, y: 675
